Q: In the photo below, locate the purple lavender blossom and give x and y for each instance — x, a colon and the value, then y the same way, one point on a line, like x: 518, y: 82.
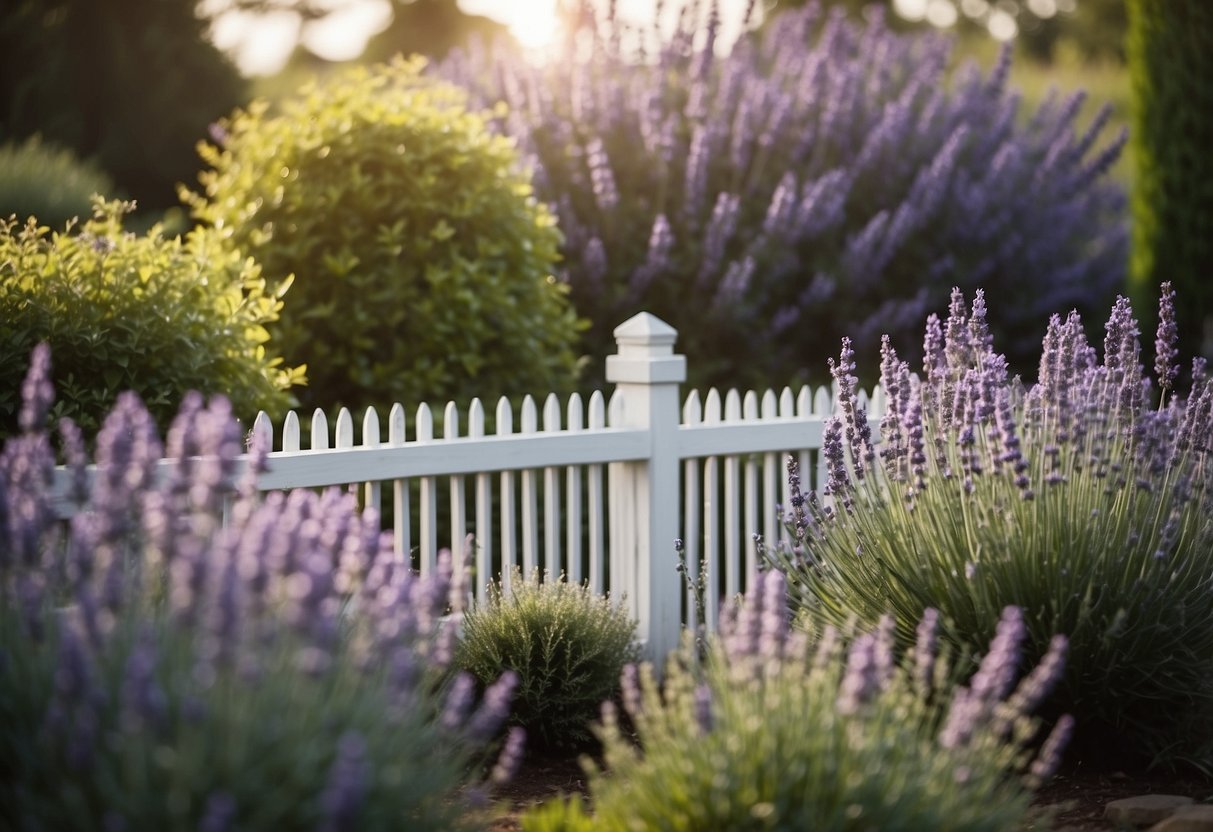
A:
x: 773, y: 622
x: 1049, y: 758
x: 494, y: 708
x: 244, y: 589
x: 702, y: 704
x: 74, y: 714
x: 37, y: 392
x: 958, y: 344
x: 600, y: 173
x: 733, y: 285
x: 1166, y: 345
x: 220, y: 813
x: 839, y: 481
x: 76, y: 461
x: 633, y: 701
x: 868, y: 177
x: 458, y: 702
x: 998, y: 669
x: 883, y: 658
x: 925, y: 649
x: 964, y: 717
x: 144, y: 700
x: 348, y: 785
x: 661, y: 242
x: 858, y: 432
x: 721, y: 226
x: 1121, y: 352
x: 860, y: 681
x: 1199, y: 372
x: 1036, y: 686
x: 510, y: 758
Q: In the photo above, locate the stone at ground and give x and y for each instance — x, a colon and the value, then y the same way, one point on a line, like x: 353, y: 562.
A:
x: 1198, y: 818
x: 1145, y: 809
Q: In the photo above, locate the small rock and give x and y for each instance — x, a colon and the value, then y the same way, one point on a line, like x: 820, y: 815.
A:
x: 1197, y: 818
x: 1145, y: 809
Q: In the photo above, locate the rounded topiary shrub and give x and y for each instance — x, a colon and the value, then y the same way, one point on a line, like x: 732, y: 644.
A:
x: 566, y: 646
x: 48, y: 182
x: 422, y: 262
x: 135, y: 312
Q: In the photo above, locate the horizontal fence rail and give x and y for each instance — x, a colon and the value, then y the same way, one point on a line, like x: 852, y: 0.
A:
x: 595, y: 490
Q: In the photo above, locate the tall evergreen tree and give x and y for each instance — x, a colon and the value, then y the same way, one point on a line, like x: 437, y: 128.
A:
x: 131, y: 83
x: 1170, y: 49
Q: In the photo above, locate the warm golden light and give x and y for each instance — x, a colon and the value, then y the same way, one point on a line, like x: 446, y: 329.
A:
x: 535, y: 23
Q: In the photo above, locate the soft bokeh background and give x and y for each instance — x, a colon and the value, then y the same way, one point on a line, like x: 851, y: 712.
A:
x: 69, y: 67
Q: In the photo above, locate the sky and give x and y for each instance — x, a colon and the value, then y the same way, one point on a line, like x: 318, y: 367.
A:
x: 261, y: 45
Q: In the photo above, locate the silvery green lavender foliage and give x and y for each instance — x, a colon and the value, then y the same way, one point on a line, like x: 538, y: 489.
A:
x: 1085, y: 500
x: 779, y: 731
x: 161, y: 669
x: 825, y: 178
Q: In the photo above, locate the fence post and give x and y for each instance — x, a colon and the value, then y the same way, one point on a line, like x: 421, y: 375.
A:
x: 645, y: 494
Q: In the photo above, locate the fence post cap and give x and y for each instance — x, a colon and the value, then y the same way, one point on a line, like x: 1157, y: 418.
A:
x: 646, y: 329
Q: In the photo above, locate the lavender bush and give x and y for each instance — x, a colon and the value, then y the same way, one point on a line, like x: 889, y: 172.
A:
x: 160, y: 669
x: 825, y: 178
x: 780, y: 732
x: 1084, y: 499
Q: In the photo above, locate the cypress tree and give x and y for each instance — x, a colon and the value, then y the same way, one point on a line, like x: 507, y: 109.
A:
x: 1170, y: 51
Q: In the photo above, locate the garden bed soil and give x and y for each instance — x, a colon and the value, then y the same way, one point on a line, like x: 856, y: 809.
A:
x: 1078, y: 793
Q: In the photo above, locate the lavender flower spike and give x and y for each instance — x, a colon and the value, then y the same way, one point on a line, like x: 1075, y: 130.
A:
x: 1049, y: 759
x: 994, y: 677
x: 348, y: 785
x: 494, y: 708
x: 510, y: 758
x: 859, y: 683
x: 926, y: 645
x: 703, y: 707
x: 37, y: 392
x: 1166, y: 349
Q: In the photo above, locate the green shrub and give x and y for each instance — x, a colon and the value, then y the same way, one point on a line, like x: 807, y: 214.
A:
x: 775, y: 732
x: 423, y: 264
x: 1170, y: 48
x: 566, y: 645
x: 190, y: 655
x: 144, y: 313
x: 50, y: 183
x: 1081, y: 500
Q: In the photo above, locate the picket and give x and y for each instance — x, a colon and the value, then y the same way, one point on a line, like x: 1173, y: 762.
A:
x: 572, y: 498
x: 711, y: 512
x: 401, y: 528
x: 484, y: 510
x: 551, y: 495
x: 529, y: 424
x: 596, y: 499
x: 693, y: 500
x: 428, y: 488
x: 509, y: 555
x: 372, y: 496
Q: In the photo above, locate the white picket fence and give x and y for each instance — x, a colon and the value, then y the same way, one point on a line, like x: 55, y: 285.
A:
x: 595, y: 490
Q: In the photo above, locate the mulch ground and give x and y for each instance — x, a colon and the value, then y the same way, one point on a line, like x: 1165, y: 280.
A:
x: 1081, y: 793
x: 1078, y: 793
